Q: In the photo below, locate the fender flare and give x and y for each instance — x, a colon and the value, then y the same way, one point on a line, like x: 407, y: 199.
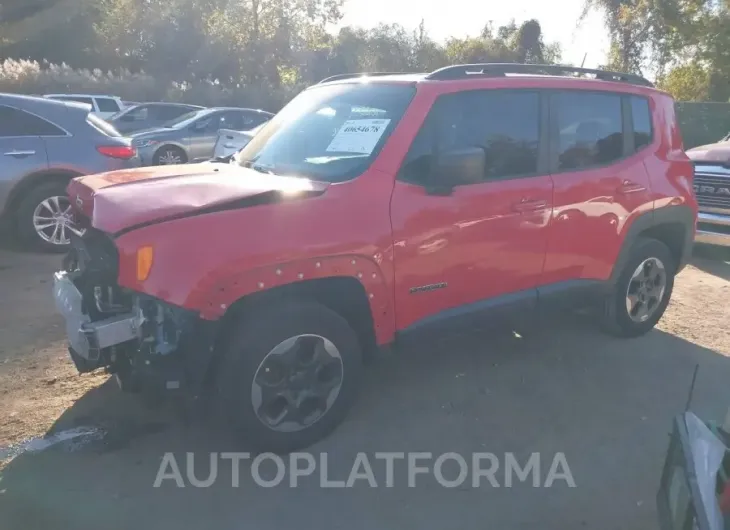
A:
x: 221, y: 294
x: 678, y: 214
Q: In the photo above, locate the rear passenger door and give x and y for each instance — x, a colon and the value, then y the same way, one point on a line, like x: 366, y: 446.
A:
x: 600, y: 181
x: 22, y: 149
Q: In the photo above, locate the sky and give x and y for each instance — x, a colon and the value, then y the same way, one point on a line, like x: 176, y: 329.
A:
x: 460, y: 18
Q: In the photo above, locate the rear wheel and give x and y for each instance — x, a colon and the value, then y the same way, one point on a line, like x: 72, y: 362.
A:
x: 169, y: 155
x: 642, y: 292
x: 44, y: 218
x: 289, y: 375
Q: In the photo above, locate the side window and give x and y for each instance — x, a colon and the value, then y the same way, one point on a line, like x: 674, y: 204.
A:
x: 589, y: 128
x: 641, y: 116
x: 506, y: 124
x: 107, y: 105
x: 15, y: 122
x: 232, y: 120
x: 168, y: 112
x: 253, y: 119
x: 209, y: 124
x: 137, y: 114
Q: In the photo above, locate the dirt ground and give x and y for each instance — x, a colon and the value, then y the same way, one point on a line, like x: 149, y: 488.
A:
x: 606, y: 404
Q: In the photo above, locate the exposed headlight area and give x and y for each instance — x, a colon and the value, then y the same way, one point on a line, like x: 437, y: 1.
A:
x: 128, y: 333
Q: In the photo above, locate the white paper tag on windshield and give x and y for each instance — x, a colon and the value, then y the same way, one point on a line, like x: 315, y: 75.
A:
x: 358, y: 136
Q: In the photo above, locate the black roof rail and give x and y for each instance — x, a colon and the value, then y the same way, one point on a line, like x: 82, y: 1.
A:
x: 462, y: 71
x: 338, y: 77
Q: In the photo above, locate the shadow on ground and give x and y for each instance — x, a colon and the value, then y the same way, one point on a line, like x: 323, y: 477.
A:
x: 712, y: 260
x: 607, y: 404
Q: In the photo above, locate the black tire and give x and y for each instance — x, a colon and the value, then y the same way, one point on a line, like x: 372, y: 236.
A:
x: 169, y: 149
x: 257, y: 333
x: 24, y: 215
x: 615, y: 318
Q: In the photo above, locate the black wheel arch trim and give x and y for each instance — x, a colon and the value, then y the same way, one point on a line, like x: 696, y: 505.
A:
x: 678, y: 214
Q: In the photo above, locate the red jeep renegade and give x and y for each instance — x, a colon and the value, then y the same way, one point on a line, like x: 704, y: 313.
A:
x: 373, y: 208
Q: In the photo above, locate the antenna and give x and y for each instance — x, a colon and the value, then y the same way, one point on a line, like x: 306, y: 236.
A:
x: 692, y: 388
x: 584, y: 60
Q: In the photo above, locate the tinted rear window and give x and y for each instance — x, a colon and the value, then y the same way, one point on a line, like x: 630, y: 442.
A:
x: 15, y: 122
x: 102, y: 126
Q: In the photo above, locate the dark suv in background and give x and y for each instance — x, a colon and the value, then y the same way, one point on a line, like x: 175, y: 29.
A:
x: 43, y: 144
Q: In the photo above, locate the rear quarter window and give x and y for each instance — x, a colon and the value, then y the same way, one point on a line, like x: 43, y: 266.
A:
x: 641, y: 117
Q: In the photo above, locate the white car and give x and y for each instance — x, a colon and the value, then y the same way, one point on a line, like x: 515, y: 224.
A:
x: 102, y: 106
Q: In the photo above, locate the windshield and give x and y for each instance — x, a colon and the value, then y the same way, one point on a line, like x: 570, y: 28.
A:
x: 185, y: 119
x: 330, y: 133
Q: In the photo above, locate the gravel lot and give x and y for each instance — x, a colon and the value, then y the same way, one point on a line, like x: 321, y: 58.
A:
x: 605, y: 403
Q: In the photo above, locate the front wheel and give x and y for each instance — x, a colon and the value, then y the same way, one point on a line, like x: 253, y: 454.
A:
x: 642, y: 291
x: 289, y: 375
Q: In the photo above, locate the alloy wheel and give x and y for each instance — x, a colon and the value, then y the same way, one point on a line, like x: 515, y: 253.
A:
x: 297, y: 383
x: 53, y: 221
x: 169, y: 157
x: 646, y: 289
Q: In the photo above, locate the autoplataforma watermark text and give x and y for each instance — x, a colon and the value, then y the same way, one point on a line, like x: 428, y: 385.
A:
x: 381, y: 469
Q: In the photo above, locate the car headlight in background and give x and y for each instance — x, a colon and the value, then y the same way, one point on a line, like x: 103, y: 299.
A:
x: 144, y: 143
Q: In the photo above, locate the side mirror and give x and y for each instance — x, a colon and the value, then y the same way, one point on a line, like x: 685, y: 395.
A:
x: 456, y: 167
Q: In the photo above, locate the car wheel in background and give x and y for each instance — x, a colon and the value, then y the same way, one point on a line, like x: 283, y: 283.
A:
x: 168, y: 155
x: 44, y: 218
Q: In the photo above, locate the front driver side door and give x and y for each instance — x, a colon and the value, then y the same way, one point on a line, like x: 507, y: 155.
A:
x: 202, y: 135
x: 483, y: 244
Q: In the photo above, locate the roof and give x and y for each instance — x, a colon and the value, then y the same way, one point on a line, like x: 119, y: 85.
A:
x: 467, y: 72
x: 82, y: 96
x: 23, y: 100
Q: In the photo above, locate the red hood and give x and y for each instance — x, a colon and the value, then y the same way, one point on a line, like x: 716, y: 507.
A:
x: 719, y: 152
x: 122, y: 199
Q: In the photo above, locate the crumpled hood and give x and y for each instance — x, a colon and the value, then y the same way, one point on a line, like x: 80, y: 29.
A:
x: 120, y: 200
x: 719, y: 152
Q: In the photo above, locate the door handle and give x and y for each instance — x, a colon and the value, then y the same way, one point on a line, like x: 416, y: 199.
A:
x: 19, y: 154
x: 627, y: 187
x: 528, y: 205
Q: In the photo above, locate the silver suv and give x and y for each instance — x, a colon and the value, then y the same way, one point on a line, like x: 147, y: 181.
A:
x: 43, y: 144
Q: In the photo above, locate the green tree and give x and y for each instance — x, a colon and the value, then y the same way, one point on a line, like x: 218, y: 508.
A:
x: 688, y: 82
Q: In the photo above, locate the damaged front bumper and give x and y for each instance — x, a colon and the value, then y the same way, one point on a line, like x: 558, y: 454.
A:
x: 88, y: 339
x: 147, y: 344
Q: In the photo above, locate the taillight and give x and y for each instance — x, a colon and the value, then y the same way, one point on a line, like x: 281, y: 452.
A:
x: 117, y: 151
